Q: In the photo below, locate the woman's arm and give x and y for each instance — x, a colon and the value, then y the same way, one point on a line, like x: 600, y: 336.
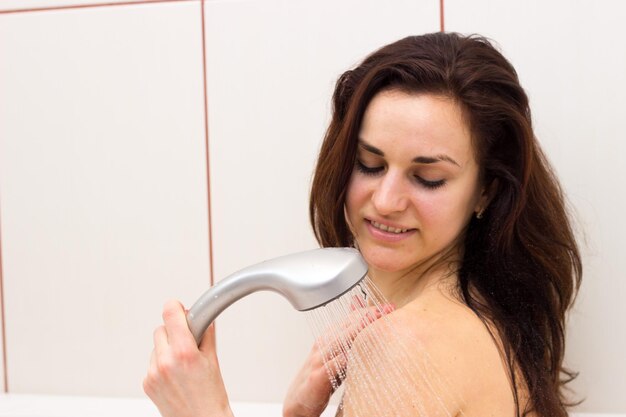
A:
x: 184, y: 380
x: 311, y: 389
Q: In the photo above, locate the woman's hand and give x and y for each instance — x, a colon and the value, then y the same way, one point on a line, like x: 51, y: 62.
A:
x: 310, y: 392
x: 184, y: 380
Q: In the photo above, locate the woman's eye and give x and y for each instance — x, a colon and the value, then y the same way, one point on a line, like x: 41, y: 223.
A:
x: 430, y: 184
x: 375, y: 170
x: 367, y: 169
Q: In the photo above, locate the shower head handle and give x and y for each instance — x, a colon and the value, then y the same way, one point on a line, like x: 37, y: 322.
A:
x: 306, y: 279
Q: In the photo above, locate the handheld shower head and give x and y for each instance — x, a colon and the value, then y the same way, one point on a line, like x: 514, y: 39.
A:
x: 307, y: 279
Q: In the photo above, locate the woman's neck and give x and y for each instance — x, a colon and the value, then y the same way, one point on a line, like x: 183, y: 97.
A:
x: 402, y: 287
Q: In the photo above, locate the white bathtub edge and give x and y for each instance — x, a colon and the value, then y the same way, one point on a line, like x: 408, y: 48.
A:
x: 31, y: 405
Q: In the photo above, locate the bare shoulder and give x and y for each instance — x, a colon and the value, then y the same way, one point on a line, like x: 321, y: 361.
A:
x: 437, y: 355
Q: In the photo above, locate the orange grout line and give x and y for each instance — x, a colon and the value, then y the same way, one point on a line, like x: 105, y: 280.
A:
x: 442, y: 27
x: 4, y: 333
x: 88, y: 6
x: 206, y: 141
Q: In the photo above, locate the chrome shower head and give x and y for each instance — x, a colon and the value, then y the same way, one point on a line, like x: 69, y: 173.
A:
x: 307, y: 279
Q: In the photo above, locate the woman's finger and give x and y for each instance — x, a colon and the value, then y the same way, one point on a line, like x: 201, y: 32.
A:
x: 178, y: 334
x: 207, y: 344
x: 160, y: 340
x: 338, y: 341
x: 357, y: 302
x: 359, y: 319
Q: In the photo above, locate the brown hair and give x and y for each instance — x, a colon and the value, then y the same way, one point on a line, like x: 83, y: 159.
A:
x: 521, y: 267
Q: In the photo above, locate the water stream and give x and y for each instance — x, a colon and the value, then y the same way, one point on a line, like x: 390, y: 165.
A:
x: 384, y: 368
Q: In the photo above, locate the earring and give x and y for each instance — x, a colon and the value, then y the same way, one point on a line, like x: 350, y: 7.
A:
x: 479, y: 215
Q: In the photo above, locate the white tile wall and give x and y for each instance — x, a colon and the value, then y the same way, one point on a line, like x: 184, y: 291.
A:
x: 104, y: 197
x: 570, y: 57
x: 272, y: 66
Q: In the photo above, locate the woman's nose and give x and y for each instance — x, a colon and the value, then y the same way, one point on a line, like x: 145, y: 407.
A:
x: 390, y: 195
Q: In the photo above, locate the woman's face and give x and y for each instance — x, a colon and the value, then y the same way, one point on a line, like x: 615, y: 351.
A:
x: 415, y: 184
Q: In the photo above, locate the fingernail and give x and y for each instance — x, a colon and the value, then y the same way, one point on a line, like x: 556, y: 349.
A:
x: 356, y: 303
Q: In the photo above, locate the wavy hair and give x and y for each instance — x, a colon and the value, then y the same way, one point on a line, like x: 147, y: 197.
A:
x: 521, y: 266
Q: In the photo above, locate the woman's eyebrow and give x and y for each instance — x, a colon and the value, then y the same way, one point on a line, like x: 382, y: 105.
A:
x: 417, y: 159
x: 370, y: 148
x: 433, y: 159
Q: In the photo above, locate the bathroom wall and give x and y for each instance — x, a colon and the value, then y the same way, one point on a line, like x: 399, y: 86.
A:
x: 103, y: 189
x: 110, y: 203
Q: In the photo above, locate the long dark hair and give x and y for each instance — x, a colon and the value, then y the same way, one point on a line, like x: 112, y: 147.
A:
x: 521, y: 266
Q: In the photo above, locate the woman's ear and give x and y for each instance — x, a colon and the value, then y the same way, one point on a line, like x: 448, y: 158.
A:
x: 487, y: 194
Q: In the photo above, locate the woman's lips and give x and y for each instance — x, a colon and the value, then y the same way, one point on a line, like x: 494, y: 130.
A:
x: 376, y: 230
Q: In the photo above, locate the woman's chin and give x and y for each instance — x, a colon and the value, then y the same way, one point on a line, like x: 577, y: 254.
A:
x: 384, y: 262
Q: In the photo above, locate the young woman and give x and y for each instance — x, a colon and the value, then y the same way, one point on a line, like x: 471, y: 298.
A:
x: 431, y: 168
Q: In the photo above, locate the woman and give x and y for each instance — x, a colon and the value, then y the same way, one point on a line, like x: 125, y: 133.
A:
x: 431, y: 168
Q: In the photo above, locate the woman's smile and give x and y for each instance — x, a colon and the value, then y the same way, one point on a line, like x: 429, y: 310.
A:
x: 387, y: 232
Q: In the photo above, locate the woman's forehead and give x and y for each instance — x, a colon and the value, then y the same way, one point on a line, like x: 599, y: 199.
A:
x: 409, y: 124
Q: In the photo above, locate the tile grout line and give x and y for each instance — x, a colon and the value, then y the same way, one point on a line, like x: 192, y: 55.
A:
x: 89, y: 6
x: 206, y: 143
x: 441, y: 16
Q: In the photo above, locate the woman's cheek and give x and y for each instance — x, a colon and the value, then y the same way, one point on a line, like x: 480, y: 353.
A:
x: 441, y: 216
x: 357, y: 191
x: 432, y: 208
